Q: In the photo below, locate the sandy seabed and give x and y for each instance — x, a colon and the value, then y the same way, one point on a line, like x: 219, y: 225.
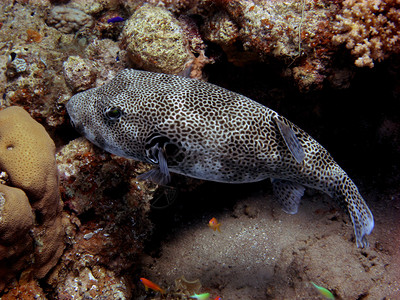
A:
x: 264, y: 253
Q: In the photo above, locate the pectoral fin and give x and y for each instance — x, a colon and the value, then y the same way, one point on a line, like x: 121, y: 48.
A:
x: 292, y: 142
x: 160, y: 174
x: 288, y: 194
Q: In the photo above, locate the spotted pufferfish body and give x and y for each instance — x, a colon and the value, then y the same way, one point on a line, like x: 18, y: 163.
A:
x: 198, y: 129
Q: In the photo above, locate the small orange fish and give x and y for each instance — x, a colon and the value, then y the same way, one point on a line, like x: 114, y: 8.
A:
x: 151, y: 285
x: 214, y: 225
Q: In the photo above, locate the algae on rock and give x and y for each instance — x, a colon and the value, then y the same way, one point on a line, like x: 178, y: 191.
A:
x: 155, y: 40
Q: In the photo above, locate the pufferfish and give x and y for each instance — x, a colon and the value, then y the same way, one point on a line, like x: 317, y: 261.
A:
x: 201, y: 130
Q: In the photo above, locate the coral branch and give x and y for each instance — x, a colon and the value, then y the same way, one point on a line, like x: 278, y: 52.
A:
x: 371, y: 29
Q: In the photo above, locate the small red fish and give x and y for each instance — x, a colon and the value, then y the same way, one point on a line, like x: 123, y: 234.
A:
x: 151, y: 285
x: 218, y: 298
x: 214, y: 225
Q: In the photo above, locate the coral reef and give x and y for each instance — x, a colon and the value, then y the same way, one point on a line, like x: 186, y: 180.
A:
x: 222, y: 30
x: 25, y: 288
x: 38, y: 86
x: 92, y: 7
x: 159, y: 42
x: 79, y: 74
x: 16, y: 66
x: 32, y: 56
x: 68, y: 19
x: 84, y: 167
x: 107, y: 221
x: 93, y: 283
x: 27, y: 156
x: 296, y: 33
x: 174, y: 6
x: 155, y: 41
x: 107, y: 58
x: 51, y: 49
x: 370, y: 29
x: 16, y: 221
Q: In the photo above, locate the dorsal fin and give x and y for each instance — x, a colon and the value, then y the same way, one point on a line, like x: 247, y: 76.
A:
x: 292, y: 142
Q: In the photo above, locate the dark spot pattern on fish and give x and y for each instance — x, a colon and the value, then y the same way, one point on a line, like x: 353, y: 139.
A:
x: 198, y: 129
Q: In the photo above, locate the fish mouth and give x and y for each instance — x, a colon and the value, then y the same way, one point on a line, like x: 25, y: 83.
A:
x: 69, y: 108
x: 77, y: 127
x: 72, y: 118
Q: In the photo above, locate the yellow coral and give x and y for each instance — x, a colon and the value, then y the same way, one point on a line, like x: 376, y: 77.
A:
x: 370, y: 28
x: 16, y: 216
x: 27, y: 155
x: 16, y: 220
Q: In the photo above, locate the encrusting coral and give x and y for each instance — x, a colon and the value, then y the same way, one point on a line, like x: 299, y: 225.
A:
x: 155, y: 40
x: 27, y: 155
x: 297, y: 33
x: 68, y: 20
x: 108, y: 222
x: 78, y: 73
x: 370, y: 28
x: 174, y: 6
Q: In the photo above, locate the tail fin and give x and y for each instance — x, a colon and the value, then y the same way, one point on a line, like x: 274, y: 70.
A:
x: 360, y: 214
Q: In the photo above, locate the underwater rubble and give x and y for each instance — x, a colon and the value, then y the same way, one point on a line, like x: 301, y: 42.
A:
x: 74, y: 220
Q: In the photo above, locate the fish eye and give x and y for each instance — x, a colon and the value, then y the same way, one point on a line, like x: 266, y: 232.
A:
x: 113, y: 113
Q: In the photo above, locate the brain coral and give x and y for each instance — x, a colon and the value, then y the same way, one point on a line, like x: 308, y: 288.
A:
x: 27, y: 155
x: 16, y: 221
